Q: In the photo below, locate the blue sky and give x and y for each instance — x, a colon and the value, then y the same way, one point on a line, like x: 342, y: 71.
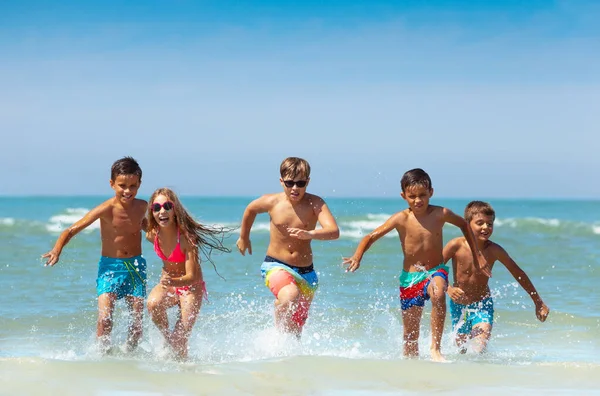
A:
x: 492, y: 98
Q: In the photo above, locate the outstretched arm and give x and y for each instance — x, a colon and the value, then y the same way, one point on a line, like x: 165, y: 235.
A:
x: 541, y: 310
x: 452, y: 218
x: 93, y: 215
x: 329, y: 228
x: 353, y: 262
x: 259, y: 205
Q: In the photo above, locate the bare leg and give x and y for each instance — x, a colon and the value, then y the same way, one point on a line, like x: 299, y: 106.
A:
x: 285, y: 304
x: 158, y: 302
x: 106, y: 306
x: 437, y: 291
x: 480, y: 335
x: 190, y: 304
x: 136, y: 310
x: 460, y: 340
x: 411, y: 320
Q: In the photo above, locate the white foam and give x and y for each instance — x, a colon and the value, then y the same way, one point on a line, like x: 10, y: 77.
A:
x: 7, y: 221
x: 61, y: 221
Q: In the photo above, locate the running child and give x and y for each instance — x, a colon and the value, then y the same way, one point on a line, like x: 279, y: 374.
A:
x: 424, y: 274
x: 178, y: 240
x: 121, y: 269
x: 471, y: 305
x: 288, y: 269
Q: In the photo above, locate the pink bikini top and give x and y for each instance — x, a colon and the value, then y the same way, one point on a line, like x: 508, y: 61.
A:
x: 176, y: 256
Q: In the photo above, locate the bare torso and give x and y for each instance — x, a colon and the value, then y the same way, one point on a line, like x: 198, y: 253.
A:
x: 421, y: 238
x: 121, y: 229
x: 473, y: 284
x: 283, y: 214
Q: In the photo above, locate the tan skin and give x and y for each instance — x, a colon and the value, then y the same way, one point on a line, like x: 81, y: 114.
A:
x: 420, y: 231
x: 121, y: 224
x: 470, y: 286
x: 294, y: 215
x: 175, y: 274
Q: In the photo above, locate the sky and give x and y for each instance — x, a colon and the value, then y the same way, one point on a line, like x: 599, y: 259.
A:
x: 492, y: 98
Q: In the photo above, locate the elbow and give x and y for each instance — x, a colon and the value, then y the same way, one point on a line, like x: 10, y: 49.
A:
x: 335, y: 234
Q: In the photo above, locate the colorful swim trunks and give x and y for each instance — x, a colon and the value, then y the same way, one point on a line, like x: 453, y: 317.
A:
x: 413, y: 285
x: 123, y: 277
x: 278, y: 274
x: 465, y: 317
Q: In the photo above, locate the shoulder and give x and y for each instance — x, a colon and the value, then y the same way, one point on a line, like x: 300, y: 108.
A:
x: 141, y: 204
x: 495, y: 249
x: 399, y: 217
x: 315, y: 200
x: 105, y: 206
x: 457, y: 242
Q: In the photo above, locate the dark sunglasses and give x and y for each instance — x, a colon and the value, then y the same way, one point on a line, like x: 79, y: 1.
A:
x: 299, y: 183
x: 167, y: 205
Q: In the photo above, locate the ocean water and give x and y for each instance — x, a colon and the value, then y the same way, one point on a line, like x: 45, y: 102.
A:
x: 352, y: 341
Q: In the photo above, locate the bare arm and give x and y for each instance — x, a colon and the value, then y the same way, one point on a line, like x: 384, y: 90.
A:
x: 259, y: 205
x: 192, y: 269
x: 353, y: 262
x: 64, y: 238
x: 521, y: 277
x: 329, y: 228
x: 449, y: 253
x: 452, y: 218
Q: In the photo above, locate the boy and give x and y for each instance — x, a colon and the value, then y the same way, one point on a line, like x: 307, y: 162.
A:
x: 424, y: 275
x: 122, y: 269
x: 471, y: 305
x: 288, y: 266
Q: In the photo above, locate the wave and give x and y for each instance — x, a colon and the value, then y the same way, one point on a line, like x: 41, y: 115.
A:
x: 350, y: 228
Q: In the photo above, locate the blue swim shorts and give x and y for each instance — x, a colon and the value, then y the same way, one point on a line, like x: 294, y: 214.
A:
x: 465, y: 317
x: 123, y: 277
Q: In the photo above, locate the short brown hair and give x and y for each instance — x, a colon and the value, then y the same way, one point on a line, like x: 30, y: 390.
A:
x: 125, y: 166
x: 415, y: 177
x: 294, y: 167
x: 478, y: 207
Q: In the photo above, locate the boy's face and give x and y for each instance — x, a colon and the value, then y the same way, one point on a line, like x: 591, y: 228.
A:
x: 126, y: 187
x: 417, y: 197
x: 294, y: 188
x: 482, y: 226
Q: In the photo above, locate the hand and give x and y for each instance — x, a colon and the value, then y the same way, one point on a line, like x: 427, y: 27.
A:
x: 299, y: 233
x: 352, y: 263
x: 542, y: 311
x: 165, y: 280
x: 52, y: 257
x: 243, y: 245
x: 456, y: 294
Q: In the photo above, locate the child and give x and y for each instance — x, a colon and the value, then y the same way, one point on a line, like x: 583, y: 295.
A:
x: 471, y: 305
x: 121, y: 269
x: 178, y: 239
x: 288, y: 266
x: 424, y: 275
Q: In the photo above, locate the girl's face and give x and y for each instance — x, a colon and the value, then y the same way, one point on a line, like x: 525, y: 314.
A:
x: 163, y: 211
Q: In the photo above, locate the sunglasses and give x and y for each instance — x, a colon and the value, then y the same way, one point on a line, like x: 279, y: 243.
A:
x: 167, y: 205
x: 291, y: 183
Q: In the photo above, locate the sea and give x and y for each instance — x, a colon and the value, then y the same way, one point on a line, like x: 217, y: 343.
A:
x: 352, y: 341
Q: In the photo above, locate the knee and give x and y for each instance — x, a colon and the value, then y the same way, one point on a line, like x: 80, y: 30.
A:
x: 153, y: 305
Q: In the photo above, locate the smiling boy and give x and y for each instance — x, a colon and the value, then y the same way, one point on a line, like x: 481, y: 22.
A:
x: 121, y: 269
x: 471, y: 304
x: 288, y: 266
x: 424, y: 275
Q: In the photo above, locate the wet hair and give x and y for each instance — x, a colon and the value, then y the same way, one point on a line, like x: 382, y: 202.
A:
x: 202, y: 238
x: 415, y: 177
x: 125, y: 166
x: 293, y: 167
x: 478, y: 207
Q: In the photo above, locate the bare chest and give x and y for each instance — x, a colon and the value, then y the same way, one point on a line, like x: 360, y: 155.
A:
x: 284, y: 216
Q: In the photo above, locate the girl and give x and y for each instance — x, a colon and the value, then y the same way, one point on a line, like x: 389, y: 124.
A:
x: 178, y: 240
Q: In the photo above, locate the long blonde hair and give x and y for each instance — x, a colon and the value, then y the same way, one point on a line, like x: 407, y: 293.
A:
x: 202, y: 238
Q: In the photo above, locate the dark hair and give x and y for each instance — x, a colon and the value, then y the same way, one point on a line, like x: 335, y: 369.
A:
x: 293, y: 167
x: 125, y: 166
x: 476, y: 207
x: 415, y: 177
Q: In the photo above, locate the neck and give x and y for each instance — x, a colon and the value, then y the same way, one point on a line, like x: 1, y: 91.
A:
x: 170, y: 230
